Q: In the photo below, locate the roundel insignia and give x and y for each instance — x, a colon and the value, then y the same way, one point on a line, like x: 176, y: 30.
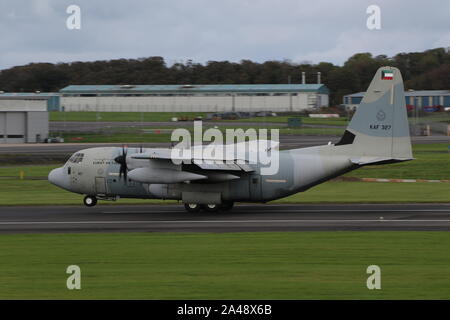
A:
x: 381, y: 115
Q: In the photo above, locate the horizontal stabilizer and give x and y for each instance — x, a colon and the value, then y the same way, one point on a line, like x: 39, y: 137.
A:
x: 362, y: 161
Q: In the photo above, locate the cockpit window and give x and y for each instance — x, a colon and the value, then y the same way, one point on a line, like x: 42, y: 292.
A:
x: 76, y: 158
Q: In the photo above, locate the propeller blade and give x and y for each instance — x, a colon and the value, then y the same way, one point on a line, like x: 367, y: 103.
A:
x: 122, y: 160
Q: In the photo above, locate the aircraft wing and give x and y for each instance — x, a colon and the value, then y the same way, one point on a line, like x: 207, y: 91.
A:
x: 155, y: 154
x: 159, y: 168
x: 224, y: 163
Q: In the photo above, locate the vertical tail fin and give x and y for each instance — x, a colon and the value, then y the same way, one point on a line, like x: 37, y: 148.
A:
x: 379, y: 129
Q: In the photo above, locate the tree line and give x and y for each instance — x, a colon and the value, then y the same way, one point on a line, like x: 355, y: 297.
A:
x: 421, y: 70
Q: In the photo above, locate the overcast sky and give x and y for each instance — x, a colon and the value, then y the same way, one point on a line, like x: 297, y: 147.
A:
x: 202, y: 30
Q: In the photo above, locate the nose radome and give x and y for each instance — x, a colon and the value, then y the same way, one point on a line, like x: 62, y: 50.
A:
x: 59, y: 178
x: 53, y: 175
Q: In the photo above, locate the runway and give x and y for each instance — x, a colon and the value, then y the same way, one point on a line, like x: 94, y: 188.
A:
x: 243, y: 218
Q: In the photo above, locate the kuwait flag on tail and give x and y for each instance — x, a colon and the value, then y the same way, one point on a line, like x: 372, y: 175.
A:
x: 387, y: 75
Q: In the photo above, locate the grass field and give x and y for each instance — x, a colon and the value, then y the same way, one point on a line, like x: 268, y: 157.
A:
x: 121, y: 116
x: 297, y: 265
x: 167, y: 116
x: 305, y: 120
x: 41, y: 192
x: 143, y: 135
x: 119, y: 136
x: 432, y: 161
x: 13, y: 171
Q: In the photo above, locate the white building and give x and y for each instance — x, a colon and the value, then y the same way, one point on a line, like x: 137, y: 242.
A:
x: 194, y: 98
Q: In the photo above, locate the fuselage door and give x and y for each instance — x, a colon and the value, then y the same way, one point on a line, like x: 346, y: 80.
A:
x: 255, y: 187
x: 100, y: 185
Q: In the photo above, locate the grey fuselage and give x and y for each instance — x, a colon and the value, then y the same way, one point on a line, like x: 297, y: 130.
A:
x: 97, y: 174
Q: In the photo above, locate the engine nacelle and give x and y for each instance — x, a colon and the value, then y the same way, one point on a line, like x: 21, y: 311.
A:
x: 151, y: 175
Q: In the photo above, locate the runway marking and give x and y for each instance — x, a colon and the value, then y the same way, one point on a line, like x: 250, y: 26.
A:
x: 218, y: 221
x: 163, y: 211
x: 312, y: 210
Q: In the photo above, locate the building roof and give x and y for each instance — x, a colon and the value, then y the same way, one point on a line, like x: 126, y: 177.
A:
x: 219, y: 88
x: 413, y: 93
x: 28, y: 95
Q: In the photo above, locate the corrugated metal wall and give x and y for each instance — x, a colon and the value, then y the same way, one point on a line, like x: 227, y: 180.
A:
x: 447, y: 101
x: 14, y: 127
x: 195, y: 103
x: 23, y: 120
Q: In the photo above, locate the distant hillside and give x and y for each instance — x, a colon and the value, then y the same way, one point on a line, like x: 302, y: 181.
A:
x: 421, y: 70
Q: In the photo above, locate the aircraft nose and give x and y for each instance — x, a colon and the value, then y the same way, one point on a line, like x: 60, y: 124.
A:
x: 59, y: 178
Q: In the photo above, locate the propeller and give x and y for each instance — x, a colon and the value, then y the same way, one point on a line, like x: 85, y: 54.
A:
x: 122, y: 160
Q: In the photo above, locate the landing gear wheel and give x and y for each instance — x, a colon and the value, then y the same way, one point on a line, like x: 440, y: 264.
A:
x: 192, y: 207
x: 225, y: 206
x: 90, y: 201
x: 212, y: 207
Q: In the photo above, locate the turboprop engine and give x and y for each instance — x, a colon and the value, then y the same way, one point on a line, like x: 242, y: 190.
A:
x: 161, y: 175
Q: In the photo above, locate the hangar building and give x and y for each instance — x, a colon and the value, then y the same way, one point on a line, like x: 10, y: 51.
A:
x: 194, y: 98
x: 419, y: 99
x: 52, y: 98
x: 23, y: 119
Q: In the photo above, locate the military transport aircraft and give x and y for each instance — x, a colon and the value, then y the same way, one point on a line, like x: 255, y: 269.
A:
x: 377, y: 134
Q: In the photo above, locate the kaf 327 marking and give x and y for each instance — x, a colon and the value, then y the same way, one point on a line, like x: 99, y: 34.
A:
x: 380, y: 127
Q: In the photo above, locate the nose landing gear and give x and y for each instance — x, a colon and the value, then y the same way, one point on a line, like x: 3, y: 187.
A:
x: 90, y: 201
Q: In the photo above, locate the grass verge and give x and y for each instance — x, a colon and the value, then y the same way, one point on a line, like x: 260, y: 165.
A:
x: 41, y: 192
x: 266, y: 265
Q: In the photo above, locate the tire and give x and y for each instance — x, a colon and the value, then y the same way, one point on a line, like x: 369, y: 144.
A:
x: 211, y: 207
x: 192, y: 207
x: 90, y: 201
x: 225, y: 206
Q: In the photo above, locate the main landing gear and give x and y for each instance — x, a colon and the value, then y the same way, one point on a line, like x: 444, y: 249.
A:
x: 195, y: 207
x: 90, y: 201
x: 192, y: 207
